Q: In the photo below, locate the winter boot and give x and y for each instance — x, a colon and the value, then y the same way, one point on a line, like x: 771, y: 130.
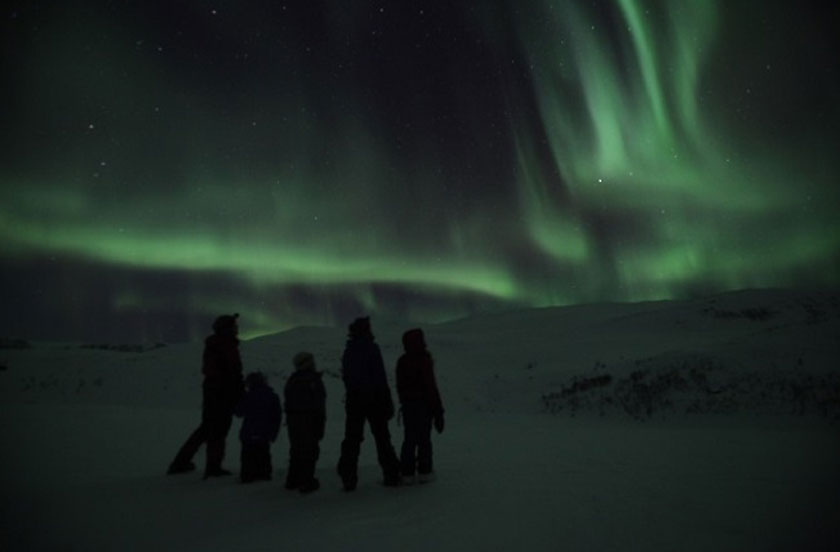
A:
x: 310, y: 487
x: 426, y: 477
x: 348, y: 477
x: 216, y: 472
x: 350, y: 483
x: 177, y: 467
x: 392, y: 480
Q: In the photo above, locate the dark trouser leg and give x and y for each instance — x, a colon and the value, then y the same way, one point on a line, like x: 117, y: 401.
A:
x: 417, y: 446
x: 312, y: 459
x: 263, y: 461
x: 424, y: 446
x: 309, y: 452
x: 256, y: 461
x: 353, y: 436
x: 294, y: 478
x: 293, y: 473
x: 305, y: 458
x: 218, y: 424
x: 190, y: 447
x: 304, y: 431
x: 388, y: 460
x: 248, y: 461
x: 408, y: 458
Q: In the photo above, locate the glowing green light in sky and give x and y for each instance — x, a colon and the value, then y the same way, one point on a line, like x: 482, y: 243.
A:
x: 645, y: 152
x: 621, y: 167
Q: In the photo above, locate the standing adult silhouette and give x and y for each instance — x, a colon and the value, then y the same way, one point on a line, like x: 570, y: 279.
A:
x: 421, y: 406
x: 222, y: 388
x: 368, y: 398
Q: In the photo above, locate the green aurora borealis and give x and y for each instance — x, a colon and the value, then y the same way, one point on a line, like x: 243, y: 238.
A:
x: 305, y: 162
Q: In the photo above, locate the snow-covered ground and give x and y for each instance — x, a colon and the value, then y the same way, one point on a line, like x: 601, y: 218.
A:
x: 711, y: 424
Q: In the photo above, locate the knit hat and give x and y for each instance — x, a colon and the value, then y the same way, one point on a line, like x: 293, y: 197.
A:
x: 304, y: 360
x: 225, y: 322
x: 360, y: 327
x: 413, y: 340
x: 255, y: 379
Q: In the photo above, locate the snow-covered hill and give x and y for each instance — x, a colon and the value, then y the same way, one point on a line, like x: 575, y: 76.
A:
x: 693, y: 425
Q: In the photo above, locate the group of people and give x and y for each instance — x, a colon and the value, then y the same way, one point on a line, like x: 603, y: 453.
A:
x: 368, y: 399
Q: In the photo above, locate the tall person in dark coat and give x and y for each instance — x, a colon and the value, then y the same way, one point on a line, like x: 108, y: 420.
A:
x: 421, y: 406
x: 222, y: 389
x: 306, y: 415
x: 368, y: 398
x: 261, y: 414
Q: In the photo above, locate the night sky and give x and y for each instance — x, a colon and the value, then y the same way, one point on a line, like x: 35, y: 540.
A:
x: 307, y: 162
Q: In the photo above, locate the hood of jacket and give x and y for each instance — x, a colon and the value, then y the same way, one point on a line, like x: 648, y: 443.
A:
x: 414, y: 341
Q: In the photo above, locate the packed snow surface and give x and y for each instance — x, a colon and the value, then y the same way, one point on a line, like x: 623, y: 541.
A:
x: 711, y: 424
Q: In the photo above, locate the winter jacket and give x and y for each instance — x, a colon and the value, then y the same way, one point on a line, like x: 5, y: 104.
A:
x: 222, y: 369
x: 416, y: 382
x: 306, y: 396
x: 261, y: 412
x: 363, y: 372
x: 304, y: 392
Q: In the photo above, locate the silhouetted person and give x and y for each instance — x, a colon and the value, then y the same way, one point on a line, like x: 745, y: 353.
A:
x: 261, y: 415
x: 222, y: 388
x: 306, y: 415
x: 368, y: 397
x: 421, y: 406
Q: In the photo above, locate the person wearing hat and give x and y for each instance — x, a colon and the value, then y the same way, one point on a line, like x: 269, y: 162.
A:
x: 368, y: 398
x: 305, y: 416
x: 222, y: 389
x: 420, y: 404
x: 261, y: 415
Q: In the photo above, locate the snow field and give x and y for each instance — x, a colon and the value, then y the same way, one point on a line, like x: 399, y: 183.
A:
x: 87, y: 435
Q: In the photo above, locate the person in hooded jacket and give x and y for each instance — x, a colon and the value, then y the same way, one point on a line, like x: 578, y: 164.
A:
x: 306, y: 416
x: 420, y: 404
x: 222, y: 388
x: 261, y: 414
x: 368, y: 398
